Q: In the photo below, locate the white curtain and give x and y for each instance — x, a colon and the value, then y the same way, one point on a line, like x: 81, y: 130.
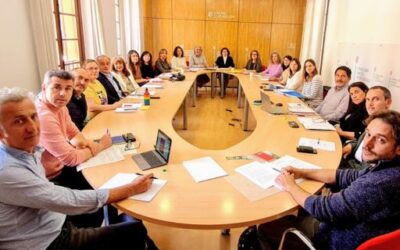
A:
x: 132, y: 29
x: 41, y: 14
x: 313, y: 30
x: 93, y: 29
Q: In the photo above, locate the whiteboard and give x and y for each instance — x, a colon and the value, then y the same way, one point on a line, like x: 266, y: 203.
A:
x: 373, y: 64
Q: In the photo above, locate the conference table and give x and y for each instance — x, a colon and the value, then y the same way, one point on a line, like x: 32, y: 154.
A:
x: 212, y: 204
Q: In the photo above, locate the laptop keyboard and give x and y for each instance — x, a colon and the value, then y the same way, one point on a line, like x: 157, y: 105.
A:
x: 151, y: 158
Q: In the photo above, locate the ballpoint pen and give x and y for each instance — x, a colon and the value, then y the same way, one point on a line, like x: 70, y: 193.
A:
x: 153, y: 177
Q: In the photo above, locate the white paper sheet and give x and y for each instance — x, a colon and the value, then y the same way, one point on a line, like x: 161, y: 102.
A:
x: 154, y: 86
x: 261, y: 174
x: 318, y: 144
x: 109, y: 155
x: 203, y: 169
x: 125, y: 178
x: 288, y: 160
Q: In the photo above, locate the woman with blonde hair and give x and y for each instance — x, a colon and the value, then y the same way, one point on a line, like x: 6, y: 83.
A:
x: 274, y: 70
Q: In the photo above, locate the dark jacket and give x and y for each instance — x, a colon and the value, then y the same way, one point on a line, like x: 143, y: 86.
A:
x: 78, y: 110
x: 367, y: 205
x: 229, y: 62
x: 112, y: 94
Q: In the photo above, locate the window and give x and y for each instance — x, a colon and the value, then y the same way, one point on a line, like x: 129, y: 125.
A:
x: 118, y: 26
x: 68, y: 24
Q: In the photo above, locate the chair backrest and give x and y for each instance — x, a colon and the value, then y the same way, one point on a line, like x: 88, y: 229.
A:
x: 383, y: 242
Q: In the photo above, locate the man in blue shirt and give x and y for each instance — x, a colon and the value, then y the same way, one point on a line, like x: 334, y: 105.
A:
x: 368, y: 202
x: 32, y: 209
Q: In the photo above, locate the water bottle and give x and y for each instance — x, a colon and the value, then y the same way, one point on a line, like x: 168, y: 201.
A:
x: 146, y: 97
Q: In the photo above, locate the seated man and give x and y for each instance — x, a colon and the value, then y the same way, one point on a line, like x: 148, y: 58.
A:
x: 335, y: 103
x: 64, y: 144
x: 77, y: 106
x: 110, y: 83
x: 32, y: 209
x: 368, y: 203
x: 378, y: 98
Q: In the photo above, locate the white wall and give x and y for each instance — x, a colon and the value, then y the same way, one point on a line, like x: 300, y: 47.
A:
x: 359, y: 21
x: 17, y: 54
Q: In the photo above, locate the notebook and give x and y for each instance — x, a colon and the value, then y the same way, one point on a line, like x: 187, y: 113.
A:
x: 157, y: 157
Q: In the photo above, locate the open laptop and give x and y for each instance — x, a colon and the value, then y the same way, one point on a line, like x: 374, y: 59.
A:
x: 267, y: 106
x: 155, y: 158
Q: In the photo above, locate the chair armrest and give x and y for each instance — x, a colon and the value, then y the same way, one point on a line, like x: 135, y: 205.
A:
x: 299, y: 235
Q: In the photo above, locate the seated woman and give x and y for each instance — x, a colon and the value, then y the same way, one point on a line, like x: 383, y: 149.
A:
x: 124, y: 77
x: 197, y: 60
x: 254, y: 63
x: 352, y: 124
x: 178, y: 61
x: 162, y: 65
x: 225, y: 61
x: 274, y: 70
x: 134, y: 67
x: 96, y: 95
x: 295, y: 77
x: 146, y: 65
x: 285, y: 67
x: 313, y: 88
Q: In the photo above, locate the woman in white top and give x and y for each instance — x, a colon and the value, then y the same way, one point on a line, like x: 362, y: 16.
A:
x: 178, y: 61
x: 295, y: 78
x: 313, y: 88
x: 124, y: 77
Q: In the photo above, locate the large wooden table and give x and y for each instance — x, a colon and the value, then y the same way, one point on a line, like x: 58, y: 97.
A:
x: 213, y: 204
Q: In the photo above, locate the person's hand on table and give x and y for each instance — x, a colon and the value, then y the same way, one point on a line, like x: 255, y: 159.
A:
x: 141, y: 184
x: 286, y: 180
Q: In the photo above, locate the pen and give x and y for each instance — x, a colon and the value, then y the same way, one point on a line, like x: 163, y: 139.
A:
x: 153, y: 177
x: 274, y: 168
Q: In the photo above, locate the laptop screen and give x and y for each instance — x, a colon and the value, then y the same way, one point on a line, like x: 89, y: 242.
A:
x: 163, y: 145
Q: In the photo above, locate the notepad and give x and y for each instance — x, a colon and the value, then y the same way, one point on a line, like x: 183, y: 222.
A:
x: 318, y: 144
x: 126, y: 178
x: 203, y: 169
x: 128, y: 107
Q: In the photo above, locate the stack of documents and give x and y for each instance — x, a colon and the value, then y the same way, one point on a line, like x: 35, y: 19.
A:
x: 109, y: 155
x: 264, y: 174
x: 300, y: 109
x: 315, y: 123
x: 156, y: 79
x: 128, y: 107
x: 123, y: 179
x: 203, y: 169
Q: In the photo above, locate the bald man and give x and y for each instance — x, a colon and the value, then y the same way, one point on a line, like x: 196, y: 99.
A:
x: 77, y: 106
